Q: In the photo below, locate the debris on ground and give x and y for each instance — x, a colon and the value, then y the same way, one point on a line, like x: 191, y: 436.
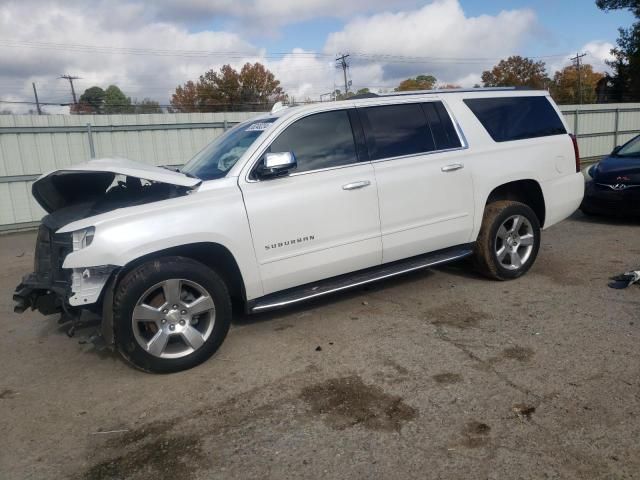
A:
x: 625, y: 279
x: 524, y: 411
x: 318, y: 348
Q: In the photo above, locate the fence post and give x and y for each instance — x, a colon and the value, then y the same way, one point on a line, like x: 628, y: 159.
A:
x: 617, y: 128
x: 575, y: 123
x: 92, y: 150
x: 224, y: 122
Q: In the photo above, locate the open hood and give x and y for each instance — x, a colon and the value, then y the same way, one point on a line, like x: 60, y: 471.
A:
x: 89, y: 181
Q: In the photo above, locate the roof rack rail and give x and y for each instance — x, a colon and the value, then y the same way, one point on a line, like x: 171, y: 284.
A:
x: 454, y: 90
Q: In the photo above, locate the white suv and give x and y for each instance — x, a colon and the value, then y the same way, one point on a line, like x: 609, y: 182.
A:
x: 296, y: 204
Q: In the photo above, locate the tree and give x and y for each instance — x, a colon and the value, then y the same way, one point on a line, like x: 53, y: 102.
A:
x: 564, y: 86
x: 626, y: 64
x: 115, y: 101
x: 338, y: 95
x: 516, y: 71
x: 146, y: 105
x: 421, y: 82
x: 91, y: 101
x: 227, y: 89
x: 449, y: 86
x: 185, y: 99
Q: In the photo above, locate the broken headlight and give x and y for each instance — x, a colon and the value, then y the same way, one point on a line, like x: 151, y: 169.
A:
x: 83, y: 238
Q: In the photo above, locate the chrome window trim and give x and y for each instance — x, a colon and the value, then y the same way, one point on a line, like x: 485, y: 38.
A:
x: 422, y: 154
x: 464, y: 145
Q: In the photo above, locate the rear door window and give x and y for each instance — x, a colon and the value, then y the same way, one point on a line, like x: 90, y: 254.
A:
x: 516, y: 118
x: 396, y: 130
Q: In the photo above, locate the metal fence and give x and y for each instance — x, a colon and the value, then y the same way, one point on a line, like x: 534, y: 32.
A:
x: 600, y: 128
x: 31, y: 145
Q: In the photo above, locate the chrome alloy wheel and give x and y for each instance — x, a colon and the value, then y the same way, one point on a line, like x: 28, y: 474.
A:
x: 173, y: 318
x: 514, y: 242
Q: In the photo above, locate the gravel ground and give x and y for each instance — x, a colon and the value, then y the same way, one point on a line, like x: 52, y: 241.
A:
x: 439, y: 374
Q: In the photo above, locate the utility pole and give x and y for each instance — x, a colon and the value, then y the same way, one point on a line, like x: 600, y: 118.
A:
x: 577, y: 60
x: 71, y: 78
x: 342, y: 59
x: 35, y: 93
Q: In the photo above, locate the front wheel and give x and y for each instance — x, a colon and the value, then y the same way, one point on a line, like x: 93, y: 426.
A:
x: 508, y: 241
x: 170, y: 314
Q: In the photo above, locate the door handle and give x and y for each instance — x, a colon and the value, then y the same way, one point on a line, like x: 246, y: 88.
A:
x: 356, y: 185
x: 453, y: 167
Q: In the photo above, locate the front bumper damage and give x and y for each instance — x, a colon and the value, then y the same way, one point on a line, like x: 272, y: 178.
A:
x: 37, y: 293
x: 51, y: 289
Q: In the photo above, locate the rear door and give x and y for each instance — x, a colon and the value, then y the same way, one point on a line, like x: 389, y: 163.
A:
x: 322, y: 219
x: 426, y: 193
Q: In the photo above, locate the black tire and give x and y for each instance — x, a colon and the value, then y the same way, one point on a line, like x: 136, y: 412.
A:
x: 485, y: 254
x: 141, y: 278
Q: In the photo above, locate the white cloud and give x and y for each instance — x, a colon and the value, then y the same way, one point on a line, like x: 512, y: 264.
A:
x: 138, y: 75
x: 457, y: 45
x: 598, y: 53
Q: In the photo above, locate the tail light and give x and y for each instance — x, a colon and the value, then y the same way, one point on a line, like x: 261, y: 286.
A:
x: 576, y: 150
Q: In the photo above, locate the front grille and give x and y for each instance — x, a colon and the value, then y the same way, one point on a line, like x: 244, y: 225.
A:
x: 51, y: 250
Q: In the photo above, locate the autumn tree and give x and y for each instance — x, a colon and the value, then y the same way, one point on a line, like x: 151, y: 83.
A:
x: 565, y: 84
x: 626, y: 62
x: 516, y: 71
x: 421, y: 82
x: 227, y: 89
x: 185, y: 98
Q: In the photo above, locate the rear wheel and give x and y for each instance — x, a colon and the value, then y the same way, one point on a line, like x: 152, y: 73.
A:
x: 508, y: 241
x: 170, y: 314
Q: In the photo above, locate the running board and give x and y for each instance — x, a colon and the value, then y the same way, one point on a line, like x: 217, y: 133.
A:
x: 356, y: 279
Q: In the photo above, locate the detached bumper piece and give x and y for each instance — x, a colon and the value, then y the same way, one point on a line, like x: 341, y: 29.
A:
x: 35, y: 294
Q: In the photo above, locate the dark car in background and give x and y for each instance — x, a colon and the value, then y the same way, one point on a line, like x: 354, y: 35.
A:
x: 613, y: 184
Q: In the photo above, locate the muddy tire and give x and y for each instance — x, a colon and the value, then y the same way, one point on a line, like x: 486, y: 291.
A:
x: 170, y: 314
x: 508, y: 241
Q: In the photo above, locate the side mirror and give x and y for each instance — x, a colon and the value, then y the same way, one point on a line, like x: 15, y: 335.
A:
x: 276, y: 164
x: 616, y: 150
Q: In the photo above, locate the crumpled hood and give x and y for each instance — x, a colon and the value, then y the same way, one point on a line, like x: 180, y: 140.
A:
x: 84, y: 181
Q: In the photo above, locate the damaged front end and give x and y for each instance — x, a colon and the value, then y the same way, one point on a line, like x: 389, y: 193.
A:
x: 77, y: 193
x: 48, y: 287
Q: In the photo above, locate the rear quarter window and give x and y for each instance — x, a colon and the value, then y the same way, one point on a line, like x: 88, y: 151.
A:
x: 516, y: 118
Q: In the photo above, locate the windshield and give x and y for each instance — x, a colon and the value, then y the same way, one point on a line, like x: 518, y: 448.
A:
x: 217, y: 158
x: 630, y: 149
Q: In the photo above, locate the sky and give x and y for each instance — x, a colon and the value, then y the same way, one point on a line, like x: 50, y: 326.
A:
x: 148, y: 48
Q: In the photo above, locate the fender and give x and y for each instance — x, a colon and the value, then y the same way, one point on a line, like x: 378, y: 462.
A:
x: 124, y: 235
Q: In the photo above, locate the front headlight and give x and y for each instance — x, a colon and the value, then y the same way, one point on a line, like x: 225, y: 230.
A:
x: 83, y: 238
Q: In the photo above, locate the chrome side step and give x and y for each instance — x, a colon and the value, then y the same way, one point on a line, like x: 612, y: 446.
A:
x: 356, y: 279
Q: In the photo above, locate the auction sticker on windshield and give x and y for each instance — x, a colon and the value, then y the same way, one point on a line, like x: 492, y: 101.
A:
x: 257, y: 127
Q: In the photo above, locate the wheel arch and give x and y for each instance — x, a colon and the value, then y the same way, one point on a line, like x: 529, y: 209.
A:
x: 527, y: 191
x: 211, y: 254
